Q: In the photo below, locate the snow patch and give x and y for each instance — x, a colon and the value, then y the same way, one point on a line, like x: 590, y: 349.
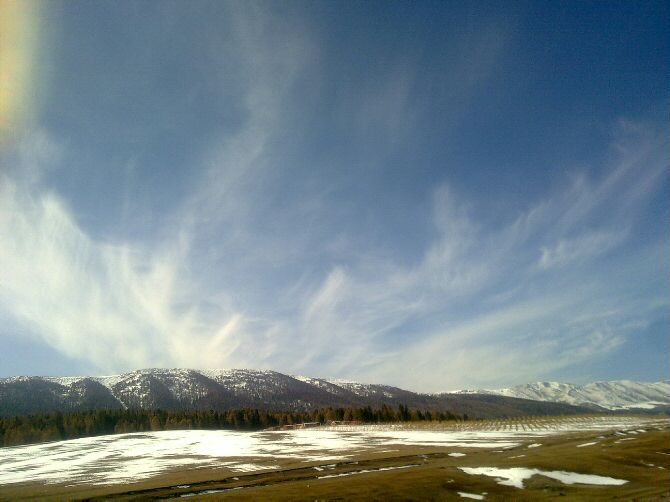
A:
x: 515, y: 476
x: 474, y: 496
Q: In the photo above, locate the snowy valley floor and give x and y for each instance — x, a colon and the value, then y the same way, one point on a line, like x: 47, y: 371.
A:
x: 575, y: 457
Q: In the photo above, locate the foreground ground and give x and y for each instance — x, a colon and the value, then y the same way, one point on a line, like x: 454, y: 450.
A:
x: 437, y: 463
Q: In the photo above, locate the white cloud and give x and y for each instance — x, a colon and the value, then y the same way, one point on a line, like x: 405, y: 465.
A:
x: 477, y: 307
x: 240, y: 279
x: 569, y: 251
x: 112, y: 304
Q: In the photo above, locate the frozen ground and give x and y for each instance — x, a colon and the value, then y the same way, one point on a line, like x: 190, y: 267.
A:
x: 130, y: 457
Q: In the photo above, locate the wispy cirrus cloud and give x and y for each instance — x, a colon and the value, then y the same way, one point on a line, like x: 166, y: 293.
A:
x: 477, y: 304
x: 481, y: 291
x: 268, y: 260
x: 122, y: 305
x: 568, y: 251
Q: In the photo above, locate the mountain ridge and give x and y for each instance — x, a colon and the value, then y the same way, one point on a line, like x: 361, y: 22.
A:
x: 608, y: 394
x: 224, y: 389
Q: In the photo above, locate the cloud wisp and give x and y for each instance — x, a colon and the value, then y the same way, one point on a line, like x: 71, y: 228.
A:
x: 260, y: 263
x: 481, y: 302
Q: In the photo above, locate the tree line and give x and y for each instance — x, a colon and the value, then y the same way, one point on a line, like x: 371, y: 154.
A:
x: 56, y: 425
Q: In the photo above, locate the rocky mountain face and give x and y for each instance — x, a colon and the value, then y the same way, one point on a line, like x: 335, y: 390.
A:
x: 615, y: 395
x: 174, y: 389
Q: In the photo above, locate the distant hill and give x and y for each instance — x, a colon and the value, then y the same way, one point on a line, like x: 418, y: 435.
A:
x: 615, y: 395
x: 181, y: 389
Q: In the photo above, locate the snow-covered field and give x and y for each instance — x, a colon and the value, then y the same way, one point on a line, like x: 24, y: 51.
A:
x: 131, y: 457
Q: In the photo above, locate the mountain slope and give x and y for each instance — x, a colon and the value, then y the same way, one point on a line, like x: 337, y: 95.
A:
x: 226, y: 389
x: 615, y: 395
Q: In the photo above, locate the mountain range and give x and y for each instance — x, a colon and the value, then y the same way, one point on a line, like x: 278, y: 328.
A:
x: 614, y: 395
x: 226, y: 389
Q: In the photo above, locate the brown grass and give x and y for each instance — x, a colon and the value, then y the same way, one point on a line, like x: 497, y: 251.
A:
x: 436, y: 478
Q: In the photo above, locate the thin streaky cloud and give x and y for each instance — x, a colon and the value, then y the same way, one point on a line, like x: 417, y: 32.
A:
x: 282, y: 188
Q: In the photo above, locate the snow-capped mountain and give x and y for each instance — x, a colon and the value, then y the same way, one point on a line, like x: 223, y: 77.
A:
x: 224, y: 389
x: 190, y: 389
x: 615, y: 395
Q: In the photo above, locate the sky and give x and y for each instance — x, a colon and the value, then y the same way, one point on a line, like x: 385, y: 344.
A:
x: 432, y: 195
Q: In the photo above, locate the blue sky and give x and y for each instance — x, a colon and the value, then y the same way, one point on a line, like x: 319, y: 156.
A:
x: 434, y: 195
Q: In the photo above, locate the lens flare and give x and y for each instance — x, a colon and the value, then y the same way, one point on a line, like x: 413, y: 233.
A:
x: 19, y: 41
